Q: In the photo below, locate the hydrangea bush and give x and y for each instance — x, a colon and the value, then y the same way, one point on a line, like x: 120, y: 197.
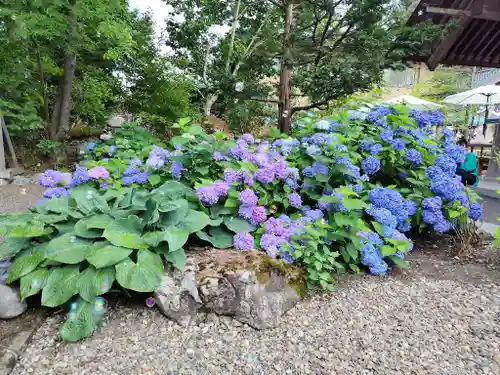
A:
x: 339, y: 194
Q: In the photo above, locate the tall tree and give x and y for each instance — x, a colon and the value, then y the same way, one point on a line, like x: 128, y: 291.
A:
x: 332, y: 49
x: 62, y: 35
x: 216, y: 42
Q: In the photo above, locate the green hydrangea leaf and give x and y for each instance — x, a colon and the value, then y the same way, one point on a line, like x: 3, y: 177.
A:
x: 11, y: 246
x: 176, y: 238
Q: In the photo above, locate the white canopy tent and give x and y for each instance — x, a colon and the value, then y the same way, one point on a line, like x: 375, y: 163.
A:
x: 414, y: 102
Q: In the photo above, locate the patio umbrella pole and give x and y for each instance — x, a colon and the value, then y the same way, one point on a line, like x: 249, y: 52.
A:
x: 486, y: 114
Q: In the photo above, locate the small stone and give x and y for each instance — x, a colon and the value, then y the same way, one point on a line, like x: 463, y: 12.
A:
x: 10, y: 303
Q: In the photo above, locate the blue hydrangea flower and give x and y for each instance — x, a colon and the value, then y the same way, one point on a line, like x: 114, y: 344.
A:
x: 413, y: 156
x: 312, y: 150
x: 80, y: 176
x: 91, y: 146
x: 56, y: 192
x: 370, y: 165
x: 177, y: 169
x: 442, y: 226
x: 382, y: 216
x: 248, y: 138
x: 375, y: 149
x: 387, y: 135
x: 475, y: 211
x: 398, y: 144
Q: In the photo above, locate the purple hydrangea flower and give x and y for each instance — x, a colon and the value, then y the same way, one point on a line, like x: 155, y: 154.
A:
x: 258, y: 215
x: 295, y: 200
x: 243, y: 241
x: 232, y: 176
x: 217, y: 156
x: 245, y: 212
x: 248, y: 198
x: 248, y: 138
x: 56, y: 192
x: 49, y: 178
x: 265, y: 175
x: 208, y: 195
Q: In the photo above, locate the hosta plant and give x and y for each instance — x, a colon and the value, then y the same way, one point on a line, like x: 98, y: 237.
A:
x: 77, y: 246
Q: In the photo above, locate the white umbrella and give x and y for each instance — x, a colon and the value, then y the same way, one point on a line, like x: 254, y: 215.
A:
x: 413, y: 101
x: 484, y: 95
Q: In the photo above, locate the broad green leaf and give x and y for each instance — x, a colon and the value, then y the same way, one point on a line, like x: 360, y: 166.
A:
x: 151, y: 215
x: 89, y: 200
x: 219, y: 237
x: 352, y: 250
x: 57, y: 205
x: 86, y: 284
x: 24, y: 263
x: 143, y: 276
x: 104, y: 280
x: 29, y: 230
x: 167, y: 206
x: 172, y: 218
x: 215, y: 222
x: 176, y: 238
x: 81, y: 230
x: 398, y: 261
x: 126, y: 233
x: 154, y: 179
x: 238, y: 225
x: 61, y: 286
x: 172, y: 190
x: 379, y: 228
x: 68, y: 249
x: 388, y: 250
x: 99, y: 221
x: 11, y: 246
x: 65, y: 227
x: 353, y: 204
x: 231, y: 202
x: 79, y: 323
x: 194, y: 221
x: 104, y: 254
x: 33, y: 282
x: 153, y: 239
x: 177, y: 258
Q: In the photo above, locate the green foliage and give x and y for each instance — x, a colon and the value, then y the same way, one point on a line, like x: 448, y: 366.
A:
x: 110, y: 240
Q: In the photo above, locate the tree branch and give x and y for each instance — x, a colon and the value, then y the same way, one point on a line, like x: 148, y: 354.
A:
x: 236, y: 13
x: 264, y: 100
x: 311, y: 106
x: 322, y: 40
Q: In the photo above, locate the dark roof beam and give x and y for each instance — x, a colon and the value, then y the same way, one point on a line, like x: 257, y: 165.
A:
x: 484, y: 14
x: 447, y: 43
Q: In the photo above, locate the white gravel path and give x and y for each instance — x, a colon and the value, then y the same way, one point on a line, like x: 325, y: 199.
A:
x: 438, y: 318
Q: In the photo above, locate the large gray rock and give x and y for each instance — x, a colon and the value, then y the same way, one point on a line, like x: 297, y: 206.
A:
x: 177, y: 297
x: 10, y: 303
x: 249, y: 286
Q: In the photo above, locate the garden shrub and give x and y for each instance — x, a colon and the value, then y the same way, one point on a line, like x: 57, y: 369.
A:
x: 337, y: 195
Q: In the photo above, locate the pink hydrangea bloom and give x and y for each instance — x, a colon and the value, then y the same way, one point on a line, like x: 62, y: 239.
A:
x: 99, y: 172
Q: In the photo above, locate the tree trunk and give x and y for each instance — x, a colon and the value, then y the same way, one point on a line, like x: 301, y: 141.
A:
x: 66, y: 88
x: 234, y: 25
x: 54, y: 124
x: 285, y: 104
x: 62, y: 108
x: 46, y: 114
x: 209, y: 102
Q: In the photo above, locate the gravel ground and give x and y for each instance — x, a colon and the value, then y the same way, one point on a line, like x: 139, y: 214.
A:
x: 17, y: 198
x: 439, y: 317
